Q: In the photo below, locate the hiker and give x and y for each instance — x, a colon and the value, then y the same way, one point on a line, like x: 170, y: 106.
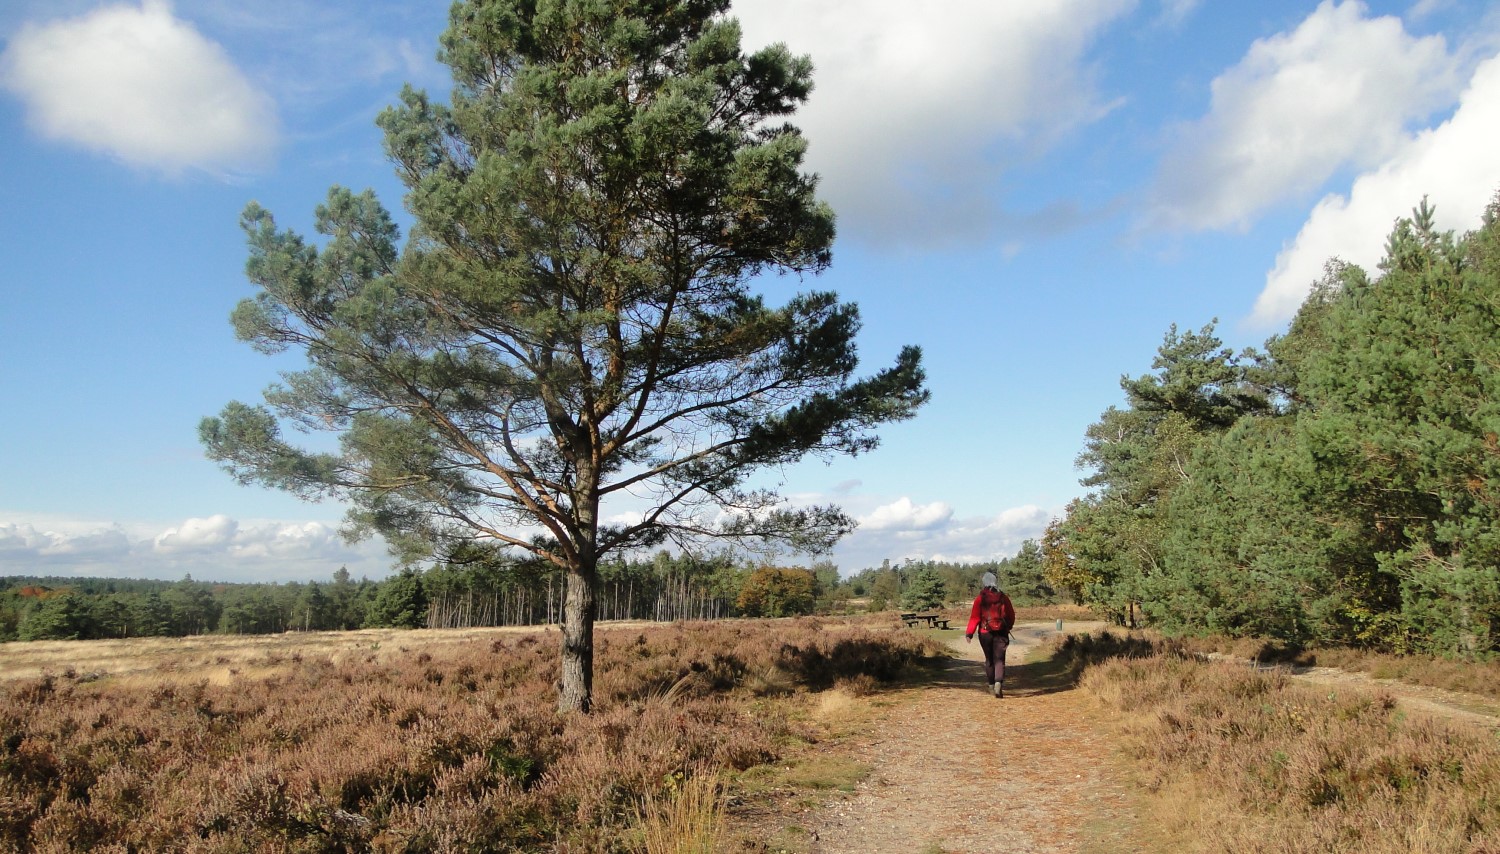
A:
x: 993, y: 615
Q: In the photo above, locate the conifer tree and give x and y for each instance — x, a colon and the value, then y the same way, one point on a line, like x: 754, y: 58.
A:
x: 570, y: 334
x: 926, y: 591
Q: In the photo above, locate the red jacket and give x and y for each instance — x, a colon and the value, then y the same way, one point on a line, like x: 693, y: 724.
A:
x: 1007, y: 610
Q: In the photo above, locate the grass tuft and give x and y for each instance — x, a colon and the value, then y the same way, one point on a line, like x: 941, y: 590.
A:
x: 686, y: 819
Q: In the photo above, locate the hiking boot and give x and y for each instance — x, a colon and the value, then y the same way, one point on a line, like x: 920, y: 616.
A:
x: 997, y: 690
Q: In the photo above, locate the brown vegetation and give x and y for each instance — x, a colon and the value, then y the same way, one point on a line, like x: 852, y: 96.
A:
x: 1062, y: 611
x: 1450, y: 674
x: 451, y: 747
x: 1246, y: 760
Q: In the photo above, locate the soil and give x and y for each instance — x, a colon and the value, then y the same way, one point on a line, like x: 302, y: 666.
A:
x: 953, y: 769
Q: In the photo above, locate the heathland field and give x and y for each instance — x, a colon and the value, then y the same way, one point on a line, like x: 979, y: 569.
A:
x: 409, y: 741
x: 805, y: 735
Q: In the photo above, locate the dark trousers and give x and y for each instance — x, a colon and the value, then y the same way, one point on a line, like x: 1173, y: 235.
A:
x: 994, y: 647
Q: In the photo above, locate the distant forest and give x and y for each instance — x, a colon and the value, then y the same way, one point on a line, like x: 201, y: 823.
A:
x: 1342, y: 486
x: 491, y: 592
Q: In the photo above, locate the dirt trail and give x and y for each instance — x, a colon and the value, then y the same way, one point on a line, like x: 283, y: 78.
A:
x: 957, y: 770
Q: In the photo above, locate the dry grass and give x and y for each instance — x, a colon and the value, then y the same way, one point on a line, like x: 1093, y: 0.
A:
x: 1066, y: 613
x: 1469, y: 677
x: 1248, y: 761
x: 213, y: 657
x: 687, y: 820
x: 410, y: 741
x: 1481, y: 678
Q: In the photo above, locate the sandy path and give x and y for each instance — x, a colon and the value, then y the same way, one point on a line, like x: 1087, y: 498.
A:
x: 958, y: 770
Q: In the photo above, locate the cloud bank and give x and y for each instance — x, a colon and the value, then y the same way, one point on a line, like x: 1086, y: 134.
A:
x: 212, y: 548
x: 903, y: 515
x: 903, y: 529
x: 221, y: 548
x: 1339, y: 91
x: 918, y: 107
x: 1455, y: 165
x: 142, y: 86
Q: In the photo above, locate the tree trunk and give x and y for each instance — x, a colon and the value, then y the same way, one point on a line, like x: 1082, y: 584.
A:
x: 578, y: 642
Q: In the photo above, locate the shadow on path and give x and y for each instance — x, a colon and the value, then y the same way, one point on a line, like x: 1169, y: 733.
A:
x: 931, y: 750
x: 1021, y: 680
x: 1030, y: 671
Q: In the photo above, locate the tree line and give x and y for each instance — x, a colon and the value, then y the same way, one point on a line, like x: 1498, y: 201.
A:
x: 924, y: 584
x: 470, y: 591
x: 1340, y: 486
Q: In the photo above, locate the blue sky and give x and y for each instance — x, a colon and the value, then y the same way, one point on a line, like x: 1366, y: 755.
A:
x: 1032, y: 192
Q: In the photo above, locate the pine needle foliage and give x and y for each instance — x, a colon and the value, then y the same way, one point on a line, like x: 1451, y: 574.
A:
x: 571, y: 328
x: 1343, y: 487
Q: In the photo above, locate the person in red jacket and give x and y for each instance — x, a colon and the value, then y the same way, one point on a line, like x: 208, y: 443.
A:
x: 993, y: 615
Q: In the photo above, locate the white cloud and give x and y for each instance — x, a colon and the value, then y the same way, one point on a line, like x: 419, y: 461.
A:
x: 1455, y: 165
x: 1423, y: 8
x: 1025, y: 521
x: 221, y: 535
x: 143, y: 86
x: 903, y: 515
x: 283, y: 540
x: 922, y: 532
x: 21, y: 541
x: 990, y: 538
x: 625, y: 518
x: 1174, y: 12
x: 216, y: 548
x: 210, y: 534
x: 1339, y: 91
x: 916, y: 105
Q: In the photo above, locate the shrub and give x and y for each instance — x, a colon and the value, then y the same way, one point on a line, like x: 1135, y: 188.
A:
x: 455, y: 747
x: 1285, y: 767
x: 774, y: 592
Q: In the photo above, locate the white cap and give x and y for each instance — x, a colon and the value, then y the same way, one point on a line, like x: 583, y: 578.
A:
x: 989, y: 580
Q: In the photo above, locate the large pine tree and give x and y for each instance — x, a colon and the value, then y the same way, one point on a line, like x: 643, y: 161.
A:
x: 571, y: 323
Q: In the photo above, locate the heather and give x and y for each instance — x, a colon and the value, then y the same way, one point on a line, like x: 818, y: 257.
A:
x: 456, y: 747
x: 1480, y: 678
x: 1244, y: 759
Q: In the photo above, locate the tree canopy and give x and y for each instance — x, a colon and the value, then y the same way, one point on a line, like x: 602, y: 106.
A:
x: 1341, y: 487
x: 569, y: 336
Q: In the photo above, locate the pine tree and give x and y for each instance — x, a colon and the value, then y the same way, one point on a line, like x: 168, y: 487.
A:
x: 571, y: 323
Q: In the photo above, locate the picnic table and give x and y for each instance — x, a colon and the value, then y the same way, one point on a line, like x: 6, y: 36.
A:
x: 934, y: 621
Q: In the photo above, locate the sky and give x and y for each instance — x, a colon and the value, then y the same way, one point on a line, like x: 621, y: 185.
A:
x: 1034, y: 193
